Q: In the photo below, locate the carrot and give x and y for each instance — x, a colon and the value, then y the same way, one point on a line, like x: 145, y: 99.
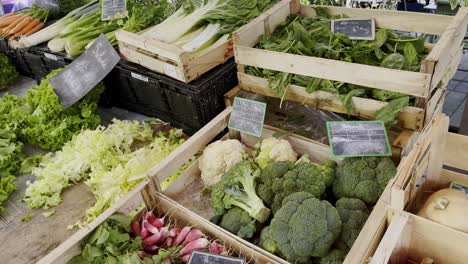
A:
x: 7, y: 16
x: 13, y: 24
x: 35, y: 29
x: 20, y: 25
x: 7, y: 22
x: 28, y: 27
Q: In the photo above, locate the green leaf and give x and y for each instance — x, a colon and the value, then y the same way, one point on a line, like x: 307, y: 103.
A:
x: 313, y: 85
x: 389, y: 113
x: 280, y: 83
x: 394, y: 61
x: 103, y: 237
x: 410, y: 53
x: 91, y: 252
x: 347, y: 99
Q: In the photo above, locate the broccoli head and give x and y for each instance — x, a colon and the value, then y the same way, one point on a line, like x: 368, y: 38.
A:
x: 237, y: 188
x: 278, y: 180
x: 304, y: 227
x: 353, y: 214
x: 239, y: 222
x: 364, y: 178
x: 335, y: 256
x: 266, y: 241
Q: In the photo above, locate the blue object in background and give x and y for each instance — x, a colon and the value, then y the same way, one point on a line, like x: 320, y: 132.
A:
x: 10, y: 6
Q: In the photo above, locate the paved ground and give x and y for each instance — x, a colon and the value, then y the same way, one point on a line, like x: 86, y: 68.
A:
x: 457, y: 95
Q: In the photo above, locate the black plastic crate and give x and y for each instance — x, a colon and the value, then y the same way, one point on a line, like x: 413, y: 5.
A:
x: 188, y: 106
x: 41, y: 61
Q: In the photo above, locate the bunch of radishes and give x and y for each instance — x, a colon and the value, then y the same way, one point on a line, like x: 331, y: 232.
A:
x: 174, y: 243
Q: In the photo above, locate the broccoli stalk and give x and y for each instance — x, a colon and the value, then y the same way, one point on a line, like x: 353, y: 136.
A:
x: 237, y: 188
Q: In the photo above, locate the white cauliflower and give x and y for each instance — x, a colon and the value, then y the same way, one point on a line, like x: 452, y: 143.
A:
x: 273, y: 149
x: 218, y: 158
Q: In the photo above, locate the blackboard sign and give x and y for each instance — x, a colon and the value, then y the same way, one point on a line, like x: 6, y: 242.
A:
x: 459, y: 186
x: 358, y: 138
x: 247, y: 116
x: 363, y: 29
x: 198, y: 257
x: 84, y: 73
x: 48, y: 4
x: 113, y: 9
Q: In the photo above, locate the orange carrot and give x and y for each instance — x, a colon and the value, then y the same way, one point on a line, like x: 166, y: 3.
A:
x: 28, y: 27
x: 7, y: 30
x: 7, y: 22
x: 35, y: 29
x: 21, y: 25
x: 7, y: 16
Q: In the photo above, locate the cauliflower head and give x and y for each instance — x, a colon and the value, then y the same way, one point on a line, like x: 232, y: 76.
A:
x: 280, y: 179
x: 273, y: 149
x: 219, y: 157
x: 304, y: 227
x: 364, y: 178
x: 353, y: 214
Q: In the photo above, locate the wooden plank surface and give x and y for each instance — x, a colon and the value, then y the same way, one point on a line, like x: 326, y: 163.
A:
x: 397, y: 20
x: 456, y: 151
x: 410, y: 117
x: 411, y: 83
x: 390, y: 240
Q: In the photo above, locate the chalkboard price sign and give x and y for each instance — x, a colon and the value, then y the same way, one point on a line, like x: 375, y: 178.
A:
x: 48, y: 4
x: 113, y: 9
x: 363, y: 29
x: 84, y: 73
x: 358, y: 139
x: 460, y: 187
x: 198, y: 257
x: 247, y: 116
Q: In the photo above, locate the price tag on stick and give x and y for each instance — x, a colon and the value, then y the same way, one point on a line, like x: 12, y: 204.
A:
x: 363, y: 29
x: 198, y: 257
x: 113, y: 9
x: 84, y: 73
x: 460, y: 187
x: 247, y: 116
x: 358, y: 139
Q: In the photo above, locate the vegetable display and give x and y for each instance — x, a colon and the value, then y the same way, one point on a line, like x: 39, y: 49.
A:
x: 309, y: 36
x: 301, y: 211
x: 24, y: 22
x: 149, y: 240
x: 8, y: 74
x: 200, y: 24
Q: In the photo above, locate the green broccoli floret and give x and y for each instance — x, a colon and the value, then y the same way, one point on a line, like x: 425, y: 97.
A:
x: 335, y: 256
x: 238, y: 221
x: 305, y: 227
x: 277, y: 181
x: 237, y: 188
x: 353, y: 214
x: 266, y: 241
x: 364, y: 178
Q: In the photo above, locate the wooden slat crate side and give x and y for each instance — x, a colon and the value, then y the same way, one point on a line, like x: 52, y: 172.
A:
x: 456, y: 154
x: 396, y: 20
x: 410, y: 117
x: 277, y: 15
x: 434, y: 105
x: 447, y: 66
x: 411, y: 83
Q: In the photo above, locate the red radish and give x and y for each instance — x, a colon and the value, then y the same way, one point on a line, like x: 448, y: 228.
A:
x: 192, y: 235
x: 158, y: 222
x: 169, y: 241
x: 181, y: 236
x: 152, y: 239
x: 150, y: 227
x: 136, y: 228
x: 143, y: 255
x: 173, y: 232
x: 166, y: 261
x: 201, y: 243
x: 144, y: 233
x: 150, y: 248
x: 215, y: 248
x: 185, y: 258
x: 149, y: 216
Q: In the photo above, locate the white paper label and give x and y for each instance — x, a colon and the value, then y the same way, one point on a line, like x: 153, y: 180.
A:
x: 170, y: 70
x: 139, y: 77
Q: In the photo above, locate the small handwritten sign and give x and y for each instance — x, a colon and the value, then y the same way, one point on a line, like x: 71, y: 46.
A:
x: 198, y: 257
x: 459, y: 186
x: 113, y: 9
x: 363, y: 29
x: 247, y: 116
x: 358, y: 138
x: 48, y: 4
x: 84, y: 73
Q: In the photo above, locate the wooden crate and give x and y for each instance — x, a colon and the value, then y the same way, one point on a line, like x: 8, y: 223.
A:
x: 169, y: 59
x: 187, y: 189
x: 397, y: 137
x: 438, y: 158
x: 179, y: 215
x: 410, y: 239
x: 436, y: 69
